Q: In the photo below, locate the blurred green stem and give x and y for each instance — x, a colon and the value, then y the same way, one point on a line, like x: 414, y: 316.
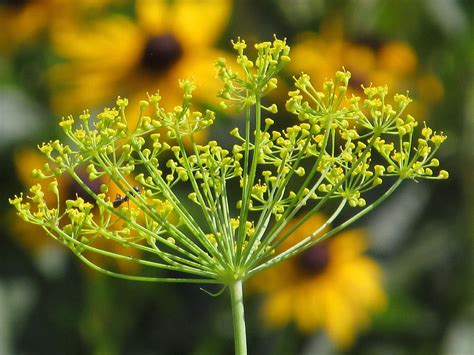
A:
x: 238, y: 317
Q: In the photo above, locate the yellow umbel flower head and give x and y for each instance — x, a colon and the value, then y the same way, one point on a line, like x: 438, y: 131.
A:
x: 338, y: 149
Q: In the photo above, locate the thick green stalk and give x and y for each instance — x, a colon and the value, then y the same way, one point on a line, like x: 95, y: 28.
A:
x: 238, y: 317
x: 249, y: 176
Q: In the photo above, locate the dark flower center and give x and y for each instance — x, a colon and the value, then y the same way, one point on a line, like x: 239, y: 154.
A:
x: 372, y: 42
x: 161, y: 53
x: 314, y: 260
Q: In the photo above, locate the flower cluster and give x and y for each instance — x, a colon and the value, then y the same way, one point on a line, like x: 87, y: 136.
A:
x: 258, y: 77
x: 370, y: 60
x: 337, y: 149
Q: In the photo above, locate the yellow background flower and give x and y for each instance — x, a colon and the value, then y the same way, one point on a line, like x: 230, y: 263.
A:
x: 23, y: 21
x: 392, y: 63
x: 332, y: 285
x: 121, y: 56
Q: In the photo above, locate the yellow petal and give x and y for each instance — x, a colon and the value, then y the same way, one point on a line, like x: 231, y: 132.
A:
x: 338, y: 317
x: 199, y: 67
x: 276, y: 309
x: 359, y: 58
x: 153, y: 16
x: 97, y: 60
x: 114, y: 43
x: 347, y: 245
x: 76, y: 92
x: 429, y: 88
x: 307, y: 228
x: 199, y: 22
x: 25, y: 161
x: 319, y: 58
x: 361, y: 280
x: 398, y: 57
x: 386, y: 77
x: 307, y: 307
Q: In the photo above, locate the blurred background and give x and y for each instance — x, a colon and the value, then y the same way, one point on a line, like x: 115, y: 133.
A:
x: 408, y: 286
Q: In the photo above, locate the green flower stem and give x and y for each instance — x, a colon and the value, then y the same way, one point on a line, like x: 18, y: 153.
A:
x: 209, y: 208
x: 359, y: 215
x: 124, y: 276
x: 246, y: 186
x: 238, y: 317
x: 293, y: 207
x: 177, y: 205
x: 168, y: 193
x: 294, y: 250
x: 225, y: 244
x: 278, y: 227
x: 300, y: 246
x: 137, y: 226
x: 250, y: 177
x: 293, y: 212
x: 170, y: 266
x: 275, y: 196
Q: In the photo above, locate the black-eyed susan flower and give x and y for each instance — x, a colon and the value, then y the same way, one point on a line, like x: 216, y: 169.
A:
x: 371, y: 62
x: 118, y: 55
x: 331, y: 286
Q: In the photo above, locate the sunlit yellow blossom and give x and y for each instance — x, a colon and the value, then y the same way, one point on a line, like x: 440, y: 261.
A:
x: 332, y: 285
x: 117, y: 55
x: 391, y: 63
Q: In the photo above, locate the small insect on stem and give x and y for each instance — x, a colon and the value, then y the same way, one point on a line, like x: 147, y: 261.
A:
x: 119, y: 199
